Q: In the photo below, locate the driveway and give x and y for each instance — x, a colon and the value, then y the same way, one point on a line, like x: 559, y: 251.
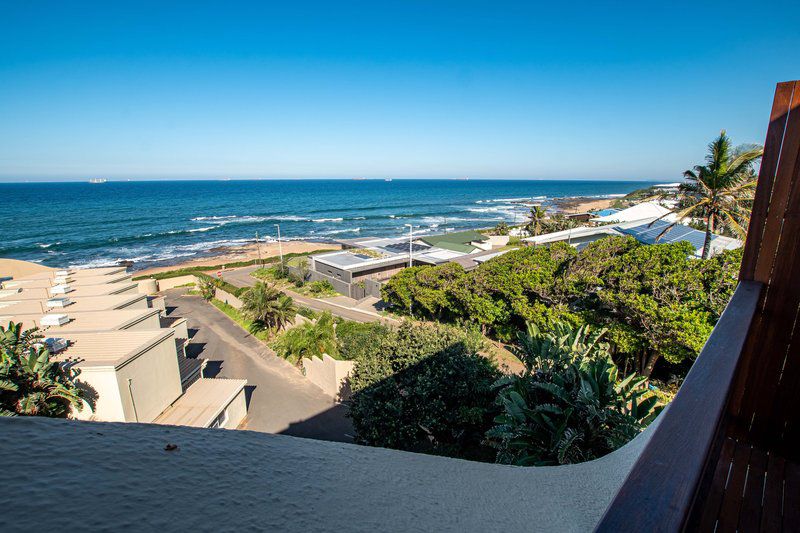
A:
x: 280, y: 398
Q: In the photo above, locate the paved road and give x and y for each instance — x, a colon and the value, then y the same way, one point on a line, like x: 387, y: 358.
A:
x: 281, y: 400
x: 240, y: 277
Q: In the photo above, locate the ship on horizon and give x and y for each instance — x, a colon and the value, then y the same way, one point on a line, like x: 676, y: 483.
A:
x: 98, y: 180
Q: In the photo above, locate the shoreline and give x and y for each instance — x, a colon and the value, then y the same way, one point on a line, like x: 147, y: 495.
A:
x: 234, y: 254
x: 249, y: 252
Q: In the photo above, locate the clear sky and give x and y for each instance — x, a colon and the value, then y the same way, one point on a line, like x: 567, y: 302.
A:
x: 376, y: 88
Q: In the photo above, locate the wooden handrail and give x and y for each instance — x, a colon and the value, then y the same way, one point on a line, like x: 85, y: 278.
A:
x: 658, y: 493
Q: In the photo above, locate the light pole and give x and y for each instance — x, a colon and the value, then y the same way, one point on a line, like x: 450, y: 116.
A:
x: 258, y: 247
x: 410, y: 239
x: 280, y: 248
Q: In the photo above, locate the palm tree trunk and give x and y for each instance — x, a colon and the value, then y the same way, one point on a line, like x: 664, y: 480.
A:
x: 707, y: 243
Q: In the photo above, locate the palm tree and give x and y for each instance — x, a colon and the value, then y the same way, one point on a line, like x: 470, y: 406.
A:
x: 310, y: 339
x: 30, y: 383
x: 266, y: 307
x: 535, y: 220
x: 721, y: 191
x: 285, y: 312
x: 208, y: 288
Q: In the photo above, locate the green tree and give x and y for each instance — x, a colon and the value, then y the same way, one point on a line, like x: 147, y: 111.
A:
x: 30, y: 383
x: 501, y: 229
x: 721, y: 191
x: 267, y: 307
x: 207, y: 287
x: 569, y: 406
x: 535, y: 220
x: 425, y: 389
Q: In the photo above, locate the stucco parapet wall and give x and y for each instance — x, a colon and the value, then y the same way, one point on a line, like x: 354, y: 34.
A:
x: 242, y: 480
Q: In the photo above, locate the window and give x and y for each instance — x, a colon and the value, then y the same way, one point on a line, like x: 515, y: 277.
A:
x: 221, y: 420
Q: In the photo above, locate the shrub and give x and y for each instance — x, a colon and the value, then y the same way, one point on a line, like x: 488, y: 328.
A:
x: 569, y: 406
x: 318, y: 288
x: 424, y: 388
x: 30, y: 383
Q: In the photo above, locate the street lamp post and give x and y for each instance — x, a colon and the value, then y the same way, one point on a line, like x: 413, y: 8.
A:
x: 410, y: 248
x: 280, y: 248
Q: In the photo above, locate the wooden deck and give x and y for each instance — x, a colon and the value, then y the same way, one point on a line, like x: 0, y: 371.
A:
x: 726, y: 456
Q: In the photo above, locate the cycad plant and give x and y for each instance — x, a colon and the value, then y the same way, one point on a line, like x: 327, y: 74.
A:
x: 570, y: 406
x: 30, y: 383
x: 721, y: 191
x: 309, y: 339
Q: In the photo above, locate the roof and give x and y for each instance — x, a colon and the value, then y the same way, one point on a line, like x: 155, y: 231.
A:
x: 43, y: 293
x: 110, y: 349
x: 455, y: 247
x: 648, y: 234
x: 574, y: 233
x: 202, y: 403
x: 72, y: 281
x: 16, y: 268
x: 85, y: 303
x: 82, y: 321
x: 72, y: 273
x: 353, y: 261
x: 458, y: 237
x: 637, y: 212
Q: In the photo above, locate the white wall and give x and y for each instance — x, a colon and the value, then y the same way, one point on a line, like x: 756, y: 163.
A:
x: 328, y: 374
x: 156, y: 382
x: 103, y: 383
x: 237, y: 411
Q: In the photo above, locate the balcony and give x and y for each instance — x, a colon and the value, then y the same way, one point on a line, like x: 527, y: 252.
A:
x: 723, y: 457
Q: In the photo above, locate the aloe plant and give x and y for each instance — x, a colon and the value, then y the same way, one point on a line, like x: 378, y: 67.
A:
x: 570, y: 405
x: 30, y: 383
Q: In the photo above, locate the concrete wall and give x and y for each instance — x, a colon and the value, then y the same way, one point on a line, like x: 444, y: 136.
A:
x: 149, y: 323
x: 138, y: 304
x: 147, y: 286
x: 237, y: 411
x: 329, y: 374
x: 339, y: 286
x: 498, y: 241
x: 259, y: 479
x: 171, y: 283
x: 156, y: 382
x: 180, y: 328
x: 228, y: 298
x: 102, y: 384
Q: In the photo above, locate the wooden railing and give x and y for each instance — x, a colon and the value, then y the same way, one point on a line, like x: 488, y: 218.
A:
x: 659, y: 491
x: 741, y: 393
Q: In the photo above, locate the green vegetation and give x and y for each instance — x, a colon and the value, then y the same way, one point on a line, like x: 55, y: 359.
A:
x: 238, y: 317
x: 501, y: 229
x: 655, y: 301
x: 267, y: 308
x: 287, y: 280
x: 569, y: 406
x: 721, y: 191
x: 308, y: 340
x: 207, y: 287
x: 423, y: 387
x: 30, y: 383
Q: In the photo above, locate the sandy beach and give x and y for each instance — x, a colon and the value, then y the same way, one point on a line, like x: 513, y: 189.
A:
x: 582, y: 205
x: 244, y: 253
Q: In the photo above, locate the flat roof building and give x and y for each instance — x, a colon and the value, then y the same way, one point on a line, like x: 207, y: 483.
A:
x: 65, y: 302
x: 43, y: 293
x: 56, y: 322
x: 208, y: 403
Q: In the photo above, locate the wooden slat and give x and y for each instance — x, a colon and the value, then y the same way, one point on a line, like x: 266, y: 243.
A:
x: 766, y: 178
x: 732, y: 501
x: 763, y: 357
x: 750, y: 513
x: 791, y: 497
x: 712, y: 502
x: 659, y: 490
x: 780, y: 191
x: 772, y: 506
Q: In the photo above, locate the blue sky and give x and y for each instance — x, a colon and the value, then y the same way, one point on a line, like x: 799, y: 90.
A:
x: 402, y: 89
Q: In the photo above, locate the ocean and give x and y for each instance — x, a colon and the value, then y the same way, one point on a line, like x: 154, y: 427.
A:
x: 153, y: 223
